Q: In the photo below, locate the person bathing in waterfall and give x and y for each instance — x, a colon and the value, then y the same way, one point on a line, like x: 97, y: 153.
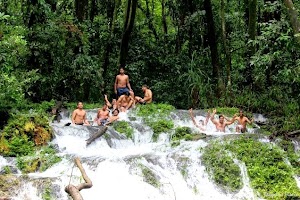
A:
x: 102, y: 115
x: 125, y: 102
x: 221, y: 123
x: 242, y: 122
x: 202, y: 124
x: 147, y: 96
x: 113, y: 105
x: 122, y: 84
x: 79, y: 115
x: 112, y: 118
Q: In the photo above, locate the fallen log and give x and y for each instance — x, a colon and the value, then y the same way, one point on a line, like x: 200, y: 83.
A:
x: 74, y: 191
x: 98, y: 134
x: 293, y: 133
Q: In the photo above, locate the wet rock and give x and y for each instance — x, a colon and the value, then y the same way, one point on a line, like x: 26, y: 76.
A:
x: 9, y: 170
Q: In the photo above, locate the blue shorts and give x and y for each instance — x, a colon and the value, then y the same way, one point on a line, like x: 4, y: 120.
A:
x: 121, y: 91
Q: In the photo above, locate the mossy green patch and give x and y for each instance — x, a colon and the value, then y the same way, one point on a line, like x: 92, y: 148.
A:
x: 221, y: 167
x: 149, y: 176
x: 156, y: 116
x: 124, y: 128
x: 270, y: 176
x: 160, y: 126
x: 154, y: 110
x: 40, y: 161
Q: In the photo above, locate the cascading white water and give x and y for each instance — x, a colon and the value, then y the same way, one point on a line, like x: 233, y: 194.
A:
x: 116, y: 167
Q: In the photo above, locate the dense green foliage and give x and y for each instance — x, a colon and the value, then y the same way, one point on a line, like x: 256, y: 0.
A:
x: 23, y: 132
x: 57, y: 50
x: 270, y: 175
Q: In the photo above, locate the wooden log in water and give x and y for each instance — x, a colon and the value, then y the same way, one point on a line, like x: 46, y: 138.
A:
x: 294, y: 133
x: 74, y: 191
x: 98, y: 134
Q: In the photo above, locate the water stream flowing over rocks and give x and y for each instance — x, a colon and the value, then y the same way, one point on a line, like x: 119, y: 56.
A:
x: 135, y: 169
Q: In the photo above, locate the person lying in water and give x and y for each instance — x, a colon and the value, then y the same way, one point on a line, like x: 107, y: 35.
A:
x: 242, y: 122
x: 221, y: 123
x: 202, y: 124
x: 79, y: 115
x: 112, y: 118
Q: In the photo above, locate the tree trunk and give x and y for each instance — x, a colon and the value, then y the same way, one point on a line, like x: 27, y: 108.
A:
x: 252, y: 35
x: 112, y: 16
x: 150, y: 21
x: 294, y: 20
x: 74, y: 191
x: 212, y: 40
x: 128, y: 26
x: 93, y: 10
x: 225, y: 44
x: 80, y: 9
x: 164, y: 20
x: 52, y: 4
x: 98, y: 134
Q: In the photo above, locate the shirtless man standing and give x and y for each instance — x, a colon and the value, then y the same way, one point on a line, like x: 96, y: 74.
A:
x: 122, y: 85
x: 102, y: 116
x: 147, y: 95
x: 221, y: 123
x: 79, y: 115
x: 242, y: 122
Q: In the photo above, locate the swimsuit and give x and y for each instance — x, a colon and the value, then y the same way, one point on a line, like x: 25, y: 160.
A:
x: 123, y: 90
x: 79, y: 123
x: 101, y: 122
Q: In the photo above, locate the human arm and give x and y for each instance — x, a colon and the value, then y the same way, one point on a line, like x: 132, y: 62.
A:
x: 130, y: 103
x: 128, y: 83
x: 107, y: 102
x: 85, y: 121
x: 212, y: 117
x: 207, y: 117
x: 73, y: 116
x: 120, y: 99
x: 193, y: 119
x: 115, y: 85
x: 111, y: 120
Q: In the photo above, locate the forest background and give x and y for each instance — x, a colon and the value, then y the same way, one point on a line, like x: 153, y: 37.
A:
x: 192, y: 53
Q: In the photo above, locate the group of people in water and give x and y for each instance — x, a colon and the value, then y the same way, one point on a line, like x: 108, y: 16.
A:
x: 222, y: 122
x: 125, y: 99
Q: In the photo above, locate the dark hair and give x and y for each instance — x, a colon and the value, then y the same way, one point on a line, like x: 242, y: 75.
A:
x: 146, y: 86
x: 221, y: 116
x: 116, y: 110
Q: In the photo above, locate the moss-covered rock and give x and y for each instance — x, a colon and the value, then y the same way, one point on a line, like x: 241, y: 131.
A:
x: 221, y: 167
x: 40, y: 161
x: 123, y: 127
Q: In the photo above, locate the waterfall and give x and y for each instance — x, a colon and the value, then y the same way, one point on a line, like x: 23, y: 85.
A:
x: 135, y: 169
